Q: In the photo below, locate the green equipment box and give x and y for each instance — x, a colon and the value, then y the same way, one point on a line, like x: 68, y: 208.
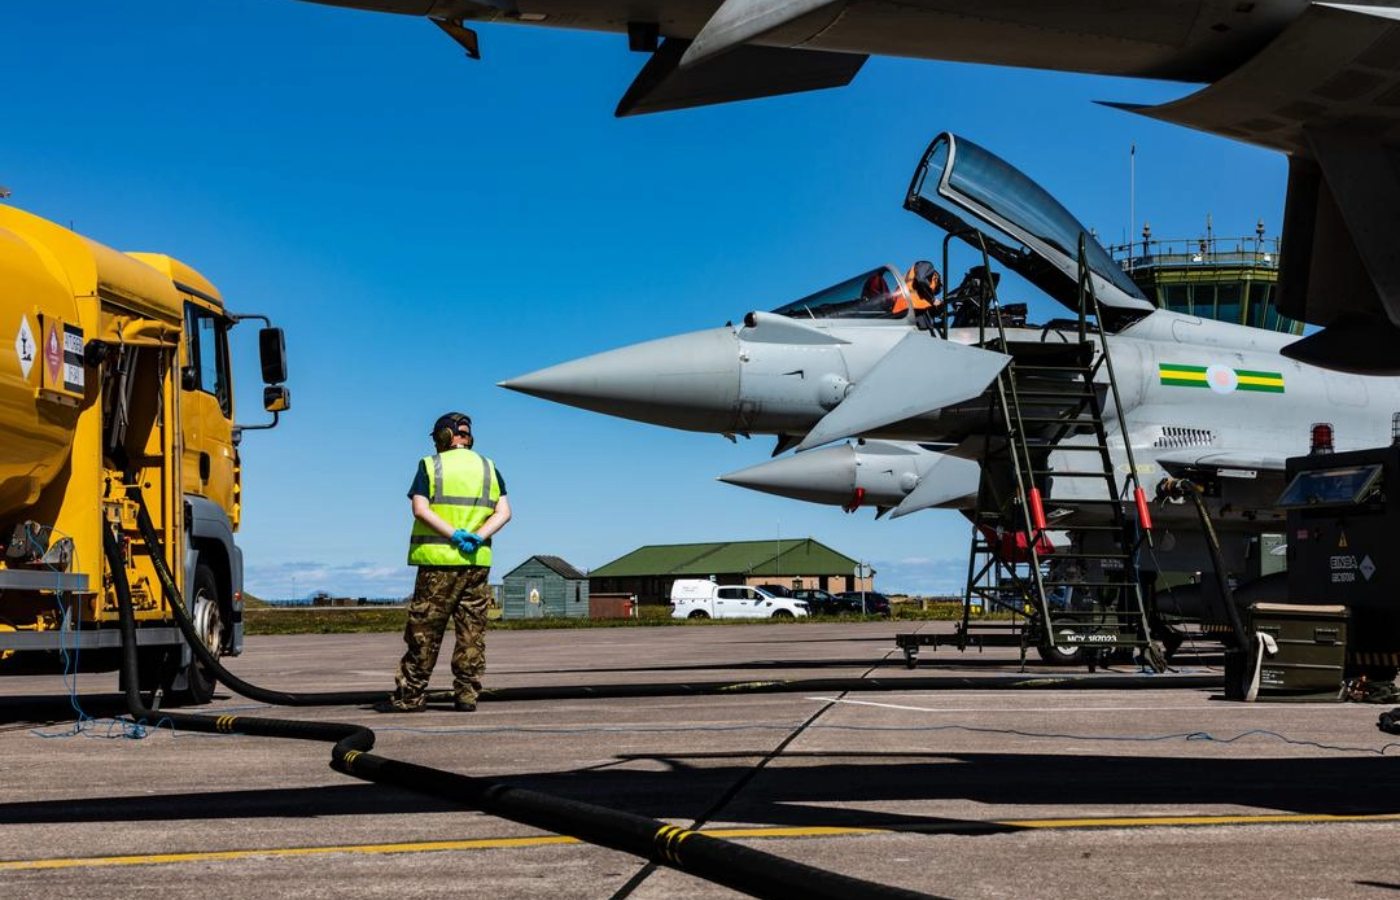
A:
x: 1312, y: 647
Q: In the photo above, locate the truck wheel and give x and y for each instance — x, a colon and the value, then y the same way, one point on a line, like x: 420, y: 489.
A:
x: 782, y: 614
x: 208, y: 624
x: 698, y: 614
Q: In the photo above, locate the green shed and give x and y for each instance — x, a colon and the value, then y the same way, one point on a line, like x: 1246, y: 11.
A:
x: 544, y: 587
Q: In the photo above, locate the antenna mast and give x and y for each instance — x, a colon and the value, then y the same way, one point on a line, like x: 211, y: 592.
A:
x: 1132, y: 193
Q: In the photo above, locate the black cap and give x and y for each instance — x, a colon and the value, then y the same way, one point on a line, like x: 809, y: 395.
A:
x: 447, y: 425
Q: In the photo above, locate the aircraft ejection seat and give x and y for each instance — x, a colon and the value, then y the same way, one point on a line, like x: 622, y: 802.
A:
x: 967, y: 299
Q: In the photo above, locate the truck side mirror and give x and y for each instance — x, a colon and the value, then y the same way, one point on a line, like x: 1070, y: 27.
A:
x: 272, y: 351
x: 277, y: 398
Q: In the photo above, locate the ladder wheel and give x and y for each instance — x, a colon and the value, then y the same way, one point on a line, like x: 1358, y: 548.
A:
x: 1060, y: 654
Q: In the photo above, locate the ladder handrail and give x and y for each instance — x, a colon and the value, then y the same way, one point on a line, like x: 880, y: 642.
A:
x: 1086, y: 287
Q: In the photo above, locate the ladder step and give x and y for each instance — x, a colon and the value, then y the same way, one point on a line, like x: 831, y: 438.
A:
x: 1118, y: 556
x: 1086, y: 528
x: 1070, y: 396
x: 1063, y: 620
x: 1066, y: 473
x: 1122, y: 584
x: 1097, y: 448
x: 1020, y: 368
x: 1058, y: 420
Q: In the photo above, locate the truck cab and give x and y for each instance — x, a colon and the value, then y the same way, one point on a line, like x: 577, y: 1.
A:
x: 117, y: 402
x: 700, y: 598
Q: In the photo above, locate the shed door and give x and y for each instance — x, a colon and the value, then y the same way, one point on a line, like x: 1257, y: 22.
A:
x: 534, y: 598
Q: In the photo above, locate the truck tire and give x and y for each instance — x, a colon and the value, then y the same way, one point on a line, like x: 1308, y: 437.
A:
x: 206, y: 610
x: 698, y: 614
x: 782, y: 614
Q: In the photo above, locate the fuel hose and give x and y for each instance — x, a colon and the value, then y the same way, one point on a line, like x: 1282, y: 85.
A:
x: 754, y: 872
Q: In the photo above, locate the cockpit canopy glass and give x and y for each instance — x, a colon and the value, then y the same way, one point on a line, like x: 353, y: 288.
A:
x: 1005, y: 203
x: 877, y: 294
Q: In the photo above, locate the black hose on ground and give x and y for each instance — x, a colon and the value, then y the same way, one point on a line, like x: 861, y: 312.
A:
x: 347, y: 737
x: 744, y: 869
x: 826, y: 685
x: 230, y: 680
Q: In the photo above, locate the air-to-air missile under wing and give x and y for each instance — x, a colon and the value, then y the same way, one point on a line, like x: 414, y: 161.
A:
x: 1202, y: 398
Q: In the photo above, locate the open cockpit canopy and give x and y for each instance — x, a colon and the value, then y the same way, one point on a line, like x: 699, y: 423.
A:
x: 975, y: 195
x: 877, y: 294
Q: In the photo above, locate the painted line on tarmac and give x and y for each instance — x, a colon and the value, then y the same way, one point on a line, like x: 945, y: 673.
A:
x: 146, y: 859
x: 1179, y: 821
x: 814, y: 831
x: 278, y: 852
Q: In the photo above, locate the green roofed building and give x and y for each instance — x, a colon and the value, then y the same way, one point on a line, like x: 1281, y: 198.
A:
x: 648, y: 572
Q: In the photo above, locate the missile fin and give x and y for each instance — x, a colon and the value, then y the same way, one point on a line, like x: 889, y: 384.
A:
x: 951, y: 478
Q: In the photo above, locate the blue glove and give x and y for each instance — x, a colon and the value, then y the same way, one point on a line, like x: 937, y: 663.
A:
x: 465, y: 541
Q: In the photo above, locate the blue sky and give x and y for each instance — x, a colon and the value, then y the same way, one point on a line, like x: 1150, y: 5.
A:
x: 424, y: 226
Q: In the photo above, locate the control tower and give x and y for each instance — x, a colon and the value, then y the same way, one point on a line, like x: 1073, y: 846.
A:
x: 1226, y: 279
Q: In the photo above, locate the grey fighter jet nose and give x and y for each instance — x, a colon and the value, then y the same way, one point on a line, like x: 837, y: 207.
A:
x: 825, y: 476
x: 689, y: 381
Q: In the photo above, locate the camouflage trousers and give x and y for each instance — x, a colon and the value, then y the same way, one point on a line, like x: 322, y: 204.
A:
x: 458, y: 593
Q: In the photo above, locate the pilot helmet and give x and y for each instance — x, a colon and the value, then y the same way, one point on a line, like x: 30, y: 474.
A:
x: 925, y: 280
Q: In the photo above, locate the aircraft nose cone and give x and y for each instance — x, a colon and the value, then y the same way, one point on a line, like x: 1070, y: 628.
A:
x: 689, y: 381
x: 817, y: 476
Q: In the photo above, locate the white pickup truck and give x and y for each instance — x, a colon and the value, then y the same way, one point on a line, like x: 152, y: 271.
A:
x: 699, y: 598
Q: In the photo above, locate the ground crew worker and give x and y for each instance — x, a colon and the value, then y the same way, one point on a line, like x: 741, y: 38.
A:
x: 459, y: 502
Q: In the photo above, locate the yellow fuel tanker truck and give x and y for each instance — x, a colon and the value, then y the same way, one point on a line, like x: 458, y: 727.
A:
x: 115, y: 393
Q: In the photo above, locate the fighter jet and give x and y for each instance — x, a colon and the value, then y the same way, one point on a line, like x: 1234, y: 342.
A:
x: 867, y: 474
x: 1210, y: 400
x: 1316, y: 81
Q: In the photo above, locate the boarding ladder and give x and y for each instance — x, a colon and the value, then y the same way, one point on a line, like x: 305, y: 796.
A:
x: 1083, y: 600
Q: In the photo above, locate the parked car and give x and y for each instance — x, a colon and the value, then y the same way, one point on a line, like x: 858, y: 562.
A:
x: 823, y: 603
x: 697, y: 598
x: 872, y: 602
x: 777, y: 590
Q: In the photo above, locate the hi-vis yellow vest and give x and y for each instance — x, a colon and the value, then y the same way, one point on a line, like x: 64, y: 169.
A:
x: 463, y: 490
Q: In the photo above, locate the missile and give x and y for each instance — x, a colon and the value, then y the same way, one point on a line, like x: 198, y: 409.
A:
x: 880, y: 474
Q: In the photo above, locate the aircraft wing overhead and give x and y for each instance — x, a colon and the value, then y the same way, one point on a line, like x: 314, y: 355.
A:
x: 742, y: 73
x: 1207, y: 458
x: 1335, y: 64
x: 920, y: 374
x: 1326, y: 92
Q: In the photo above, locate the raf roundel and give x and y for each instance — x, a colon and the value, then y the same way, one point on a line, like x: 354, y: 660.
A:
x: 1222, y: 379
